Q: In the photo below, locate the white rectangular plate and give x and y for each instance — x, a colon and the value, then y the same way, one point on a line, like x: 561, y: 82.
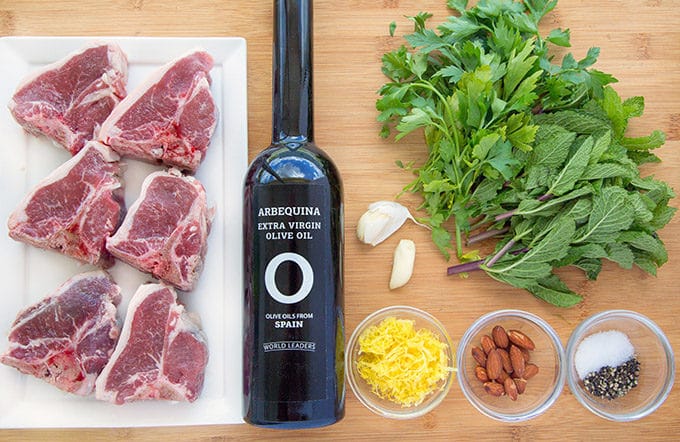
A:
x: 29, y: 274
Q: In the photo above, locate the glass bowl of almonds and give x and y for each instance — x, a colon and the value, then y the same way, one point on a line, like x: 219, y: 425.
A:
x: 511, y: 365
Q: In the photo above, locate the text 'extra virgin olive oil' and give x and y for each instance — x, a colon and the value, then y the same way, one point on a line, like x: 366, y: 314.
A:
x: 293, y: 252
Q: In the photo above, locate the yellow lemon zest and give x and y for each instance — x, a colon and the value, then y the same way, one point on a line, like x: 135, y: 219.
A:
x: 400, y: 363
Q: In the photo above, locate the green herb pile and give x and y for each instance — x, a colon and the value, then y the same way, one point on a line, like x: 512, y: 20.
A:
x: 524, y: 149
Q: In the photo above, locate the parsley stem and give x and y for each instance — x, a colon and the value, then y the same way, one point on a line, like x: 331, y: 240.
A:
x: 459, y: 242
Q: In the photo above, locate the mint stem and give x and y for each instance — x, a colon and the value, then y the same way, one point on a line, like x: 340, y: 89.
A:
x: 486, y: 235
x: 500, y: 253
x: 510, y: 213
x: 475, y: 265
x: 464, y: 268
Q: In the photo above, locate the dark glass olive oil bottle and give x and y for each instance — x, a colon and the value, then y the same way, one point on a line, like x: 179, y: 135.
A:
x: 293, y: 252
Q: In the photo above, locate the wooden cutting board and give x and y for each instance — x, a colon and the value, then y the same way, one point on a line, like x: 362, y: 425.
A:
x: 640, y: 45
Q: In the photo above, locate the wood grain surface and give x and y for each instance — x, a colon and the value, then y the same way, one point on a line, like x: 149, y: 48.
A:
x: 640, y: 42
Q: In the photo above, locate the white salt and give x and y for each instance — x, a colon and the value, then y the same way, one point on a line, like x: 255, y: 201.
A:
x: 609, y: 348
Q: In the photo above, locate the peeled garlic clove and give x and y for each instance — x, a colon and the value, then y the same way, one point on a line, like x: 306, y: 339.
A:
x: 402, y: 267
x: 382, y: 219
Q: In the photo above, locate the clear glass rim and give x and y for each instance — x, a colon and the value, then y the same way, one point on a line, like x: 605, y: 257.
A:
x: 408, y: 413
x: 670, y: 360
x: 561, y: 373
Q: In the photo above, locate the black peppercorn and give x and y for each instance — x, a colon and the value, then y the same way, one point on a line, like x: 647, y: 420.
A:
x: 613, y: 382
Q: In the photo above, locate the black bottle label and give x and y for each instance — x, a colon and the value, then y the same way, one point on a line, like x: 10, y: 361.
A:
x: 295, y: 289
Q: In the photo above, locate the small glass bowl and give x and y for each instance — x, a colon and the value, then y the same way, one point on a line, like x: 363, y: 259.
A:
x: 542, y: 390
x: 653, y: 351
x: 362, y: 390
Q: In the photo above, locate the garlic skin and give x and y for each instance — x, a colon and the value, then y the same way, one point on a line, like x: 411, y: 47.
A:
x: 381, y: 220
x: 404, y: 260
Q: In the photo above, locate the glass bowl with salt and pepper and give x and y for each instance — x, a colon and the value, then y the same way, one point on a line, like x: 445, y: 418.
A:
x: 620, y: 365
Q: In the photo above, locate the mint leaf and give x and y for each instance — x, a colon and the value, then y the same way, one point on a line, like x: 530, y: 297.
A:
x: 579, y: 210
x: 552, y: 146
x: 620, y: 254
x: 654, y: 140
x: 601, y: 145
x: 551, y: 289
x: 602, y: 171
x: 662, y: 216
x: 534, y: 263
x: 591, y: 267
x: 611, y: 213
x: 613, y: 106
x: 534, y: 207
x: 573, y: 169
x: 646, y: 243
x: 574, y: 121
x: 642, y: 210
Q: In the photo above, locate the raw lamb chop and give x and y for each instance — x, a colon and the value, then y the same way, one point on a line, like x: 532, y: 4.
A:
x: 165, y: 231
x: 75, y: 208
x: 67, y: 338
x: 161, y: 354
x: 68, y: 100
x: 169, y: 118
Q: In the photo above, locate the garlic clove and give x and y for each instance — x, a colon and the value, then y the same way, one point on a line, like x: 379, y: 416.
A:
x: 404, y: 260
x: 381, y: 220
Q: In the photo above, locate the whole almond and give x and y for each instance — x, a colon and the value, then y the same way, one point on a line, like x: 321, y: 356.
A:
x: 480, y: 373
x: 510, y: 388
x: 517, y: 360
x: 494, y: 388
x: 527, y: 354
x: 494, y: 364
x: 500, y: 336
x: 487, y: 344
x: 520, y: 339
x: 479, y: 356
x: 507, y: 364
x: 521, y: 385
x: 503, y: 376
x: 530, y: 371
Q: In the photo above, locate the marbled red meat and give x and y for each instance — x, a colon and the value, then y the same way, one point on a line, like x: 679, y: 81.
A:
x: 67, y: 338
x: 162, y: 352
x: 68, y: 100
x: 165, y: 231
x: 75, y: 208
x: 169, y: 118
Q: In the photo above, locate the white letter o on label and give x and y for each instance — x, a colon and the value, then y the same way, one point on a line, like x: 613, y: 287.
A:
x: 307, y: 278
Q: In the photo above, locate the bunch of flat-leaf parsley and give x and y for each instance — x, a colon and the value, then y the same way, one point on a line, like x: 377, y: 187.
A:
x: 524, y: 150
